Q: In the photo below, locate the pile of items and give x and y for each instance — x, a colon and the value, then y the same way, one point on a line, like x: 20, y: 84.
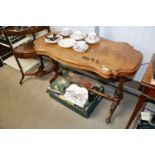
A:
x: 70, y: 92
x: 147, y: 119
x: 74, y: 92
x: 77, y: 95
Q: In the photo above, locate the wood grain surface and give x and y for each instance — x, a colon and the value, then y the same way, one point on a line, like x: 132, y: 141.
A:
x: 107, y: 58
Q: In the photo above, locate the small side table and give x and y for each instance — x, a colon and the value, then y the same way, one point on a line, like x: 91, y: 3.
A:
x: 148, y: 91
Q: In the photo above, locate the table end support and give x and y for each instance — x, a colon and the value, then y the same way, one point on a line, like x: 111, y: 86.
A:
x: 55, y: 71
x: 118, y: 95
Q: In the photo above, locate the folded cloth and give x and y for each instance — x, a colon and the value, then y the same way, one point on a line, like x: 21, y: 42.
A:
x: 77, y: 95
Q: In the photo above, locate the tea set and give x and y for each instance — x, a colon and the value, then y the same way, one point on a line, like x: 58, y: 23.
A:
x: 77, y: 39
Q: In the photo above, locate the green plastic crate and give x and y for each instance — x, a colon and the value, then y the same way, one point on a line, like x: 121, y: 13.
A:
x: 86, y: 111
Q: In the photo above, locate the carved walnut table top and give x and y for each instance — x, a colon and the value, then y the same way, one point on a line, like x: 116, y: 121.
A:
x: 107, y: 58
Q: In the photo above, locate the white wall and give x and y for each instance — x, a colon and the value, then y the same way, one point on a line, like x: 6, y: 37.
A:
x: 86, y: 29
x: 141, y: 37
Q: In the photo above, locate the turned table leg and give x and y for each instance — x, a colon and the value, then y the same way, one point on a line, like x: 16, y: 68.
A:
x: 40, y: 72
x: 55, y: 71
x: 118, y: 95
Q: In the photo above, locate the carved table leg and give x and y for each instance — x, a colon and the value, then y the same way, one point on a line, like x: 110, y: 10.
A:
x: 40, y: 72
x: 55, y: 70
x: 118, y: 95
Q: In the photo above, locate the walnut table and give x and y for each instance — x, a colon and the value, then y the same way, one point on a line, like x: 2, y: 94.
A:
x: 110, y: 60
x: 148, y: 90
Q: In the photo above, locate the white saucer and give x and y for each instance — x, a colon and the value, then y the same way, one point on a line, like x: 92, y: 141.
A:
x: 66, y: 43
x: 54, y: 41
x: 80, y: 46
x: 89, y: 41
x: 78, y: 35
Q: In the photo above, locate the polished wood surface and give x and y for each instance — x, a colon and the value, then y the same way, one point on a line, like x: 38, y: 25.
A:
x: 148, y: 91
x: 15, y: 31
x: 25, y: 51
x: 107, y: 58
x: 121, y: 59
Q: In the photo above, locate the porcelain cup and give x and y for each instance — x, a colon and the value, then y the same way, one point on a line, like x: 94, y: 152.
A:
x: 66, y: 31
x: 81, y: 45
x: 92, y: 36
x: 77, y: 32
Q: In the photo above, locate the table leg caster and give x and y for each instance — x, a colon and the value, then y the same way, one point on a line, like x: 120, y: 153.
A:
x: 108, y: 120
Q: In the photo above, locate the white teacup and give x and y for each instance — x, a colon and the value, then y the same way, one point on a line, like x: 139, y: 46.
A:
x: 77, y: 32
x: 65, y: 31
x: 81, y: 45
x: 92, y: 36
